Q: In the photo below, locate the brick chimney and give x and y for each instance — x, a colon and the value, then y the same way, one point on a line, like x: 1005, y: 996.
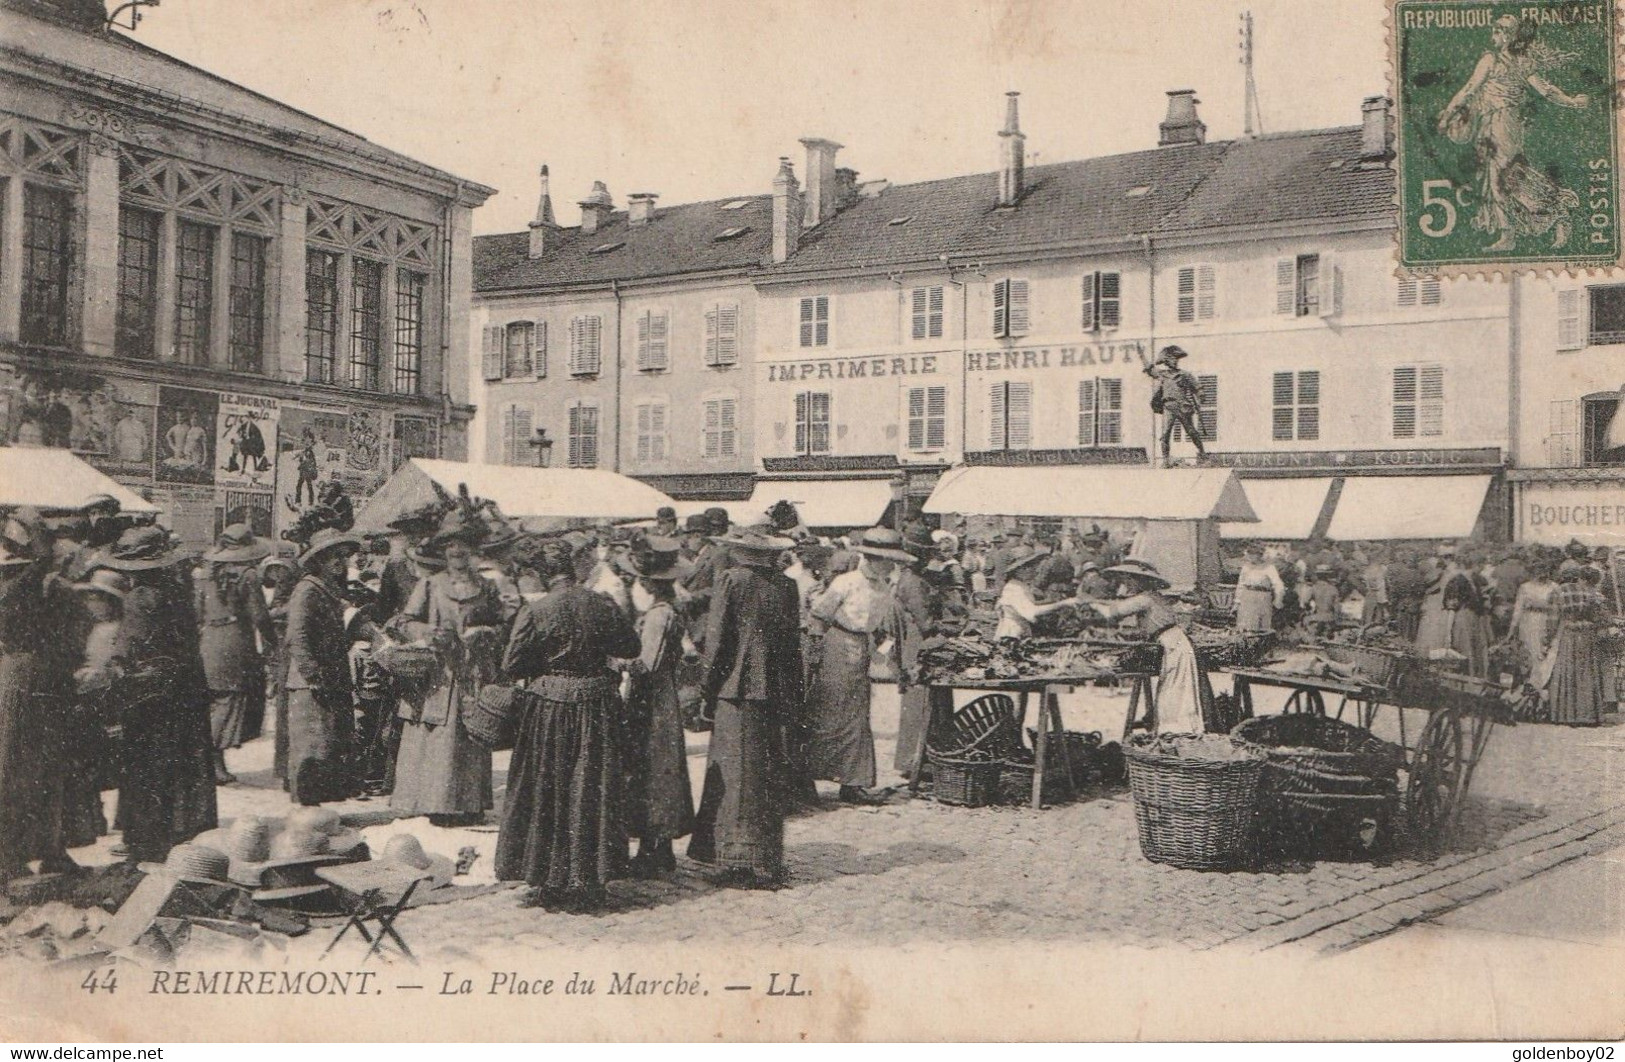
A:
x: 640, y: 207
x: 1182, y: 126
x: 596, y: 208
x: 1012, y: 153
x: 786, y: 212
x: 846, y: 187
x: 543, y: 223
x: 1376, y: 132
x: 821, y: 184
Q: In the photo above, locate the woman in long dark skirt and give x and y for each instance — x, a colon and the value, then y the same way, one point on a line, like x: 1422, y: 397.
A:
x: 1575, y: 691
x: 563, y: 822
x: 231, y: 608
x: 660, y: 804
x: 278, y: 576
x: 167, y: 792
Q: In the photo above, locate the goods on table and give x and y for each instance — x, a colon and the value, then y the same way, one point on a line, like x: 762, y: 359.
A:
x: 1328, y: 787
x: 1194, y: 798
x: 1100, y: 655
x: 1310, y: 663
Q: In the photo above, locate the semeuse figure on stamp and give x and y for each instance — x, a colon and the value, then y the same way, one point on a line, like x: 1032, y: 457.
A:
x: 1515, y: 199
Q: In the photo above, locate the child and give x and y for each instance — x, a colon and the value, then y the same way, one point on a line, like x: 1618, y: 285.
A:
x: 1323, y: 601
x: 104, y: 600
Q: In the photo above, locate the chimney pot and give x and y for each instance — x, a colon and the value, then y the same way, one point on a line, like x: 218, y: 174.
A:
x: 821, y: 188
x: 640, y: 208
x: 786, y: 212
x: 596, y: 208
x: 1012, y: 153
x: 1376, y: 131
x: 1182, y: 126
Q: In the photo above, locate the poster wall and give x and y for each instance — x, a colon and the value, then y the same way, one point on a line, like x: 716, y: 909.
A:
x: 108, y: 422
x: 186, y: 435
x: 245, y: 442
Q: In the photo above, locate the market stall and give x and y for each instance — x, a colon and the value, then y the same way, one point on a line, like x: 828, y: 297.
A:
x: 542, y: 499
x: 1390, y: 508
x: 56, y: 479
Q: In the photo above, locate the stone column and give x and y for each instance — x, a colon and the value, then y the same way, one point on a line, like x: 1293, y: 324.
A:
x: 220, y: 301
x: 11, y: 259
x: 286, y: 357
x: 99, y: 310
x: 164, y: 327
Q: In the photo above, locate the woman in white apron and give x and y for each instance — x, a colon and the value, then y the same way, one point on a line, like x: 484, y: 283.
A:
x: 1184, y: 698
x: 1259, y: 591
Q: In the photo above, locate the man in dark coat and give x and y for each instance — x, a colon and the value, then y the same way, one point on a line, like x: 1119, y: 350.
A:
x: 919, y: 606
x: 321, y: 717
x: 709, y: 564
x: 752, y: 677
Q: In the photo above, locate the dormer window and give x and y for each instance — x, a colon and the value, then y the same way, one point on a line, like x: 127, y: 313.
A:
x: 605, y: 248
x: 904, y: 220
x: 736, y: 204
x: 731, y: 233
x: 1138, y: 191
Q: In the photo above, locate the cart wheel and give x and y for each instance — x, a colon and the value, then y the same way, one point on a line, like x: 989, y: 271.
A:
x: 1435, y: 778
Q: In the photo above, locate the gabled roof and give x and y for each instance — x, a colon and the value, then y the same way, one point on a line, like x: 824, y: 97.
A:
x: 1313, y: 176
x: 113, y: 57
x: 1307, y: 176
x: 676, y: 240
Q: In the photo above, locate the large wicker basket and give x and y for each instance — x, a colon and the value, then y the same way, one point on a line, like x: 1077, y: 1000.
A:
x: 970, y: 783
x: 1328, y: 787
x: 1194, y: 799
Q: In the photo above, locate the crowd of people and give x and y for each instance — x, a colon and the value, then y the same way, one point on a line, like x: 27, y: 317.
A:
x: 127, y: 664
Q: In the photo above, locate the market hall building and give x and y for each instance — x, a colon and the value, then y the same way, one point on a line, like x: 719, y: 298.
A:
x: 218, y: 299
x: 841, y: 343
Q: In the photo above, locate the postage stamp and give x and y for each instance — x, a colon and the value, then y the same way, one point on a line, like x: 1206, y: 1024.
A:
x: 1507, y: 135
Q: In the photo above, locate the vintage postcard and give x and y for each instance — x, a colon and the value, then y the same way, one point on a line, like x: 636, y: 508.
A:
x: 713, y: 520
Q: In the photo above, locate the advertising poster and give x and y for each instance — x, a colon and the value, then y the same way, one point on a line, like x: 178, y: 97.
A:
x: 190, y: 512
x: 185, y: 444
x: 245, y: 442
x: 253, y: 508
x: 311, y: 450
x: 414, y: 437
x: 108, y: 422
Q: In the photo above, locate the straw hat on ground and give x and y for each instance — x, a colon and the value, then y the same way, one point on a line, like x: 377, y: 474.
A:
x: 406, y: 851
x: 194, y: 863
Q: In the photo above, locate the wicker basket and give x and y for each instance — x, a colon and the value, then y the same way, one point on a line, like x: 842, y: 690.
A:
x: 1379, y: 667
x: 1194, y: 812
x: 1082, y: 752
x: 965, y: 783
x: 1015, y: 785
x: 414, y: 663
x: 1327, y: 788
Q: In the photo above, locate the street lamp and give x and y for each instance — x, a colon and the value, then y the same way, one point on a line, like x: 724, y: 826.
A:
x: 544, y: 448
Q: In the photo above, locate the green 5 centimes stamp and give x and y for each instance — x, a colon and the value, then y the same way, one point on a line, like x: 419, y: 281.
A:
x: 1508, y: 144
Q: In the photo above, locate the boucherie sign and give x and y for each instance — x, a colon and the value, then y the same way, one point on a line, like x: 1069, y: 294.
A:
x: 1553, y: 516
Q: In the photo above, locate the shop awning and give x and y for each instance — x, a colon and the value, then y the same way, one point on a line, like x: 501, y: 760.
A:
x: 1287, y: 508
x: 524, y: 493
x: 822, y: 502
x: 57, y: 479
x: 1395, y: 507
x: 1095, y: 493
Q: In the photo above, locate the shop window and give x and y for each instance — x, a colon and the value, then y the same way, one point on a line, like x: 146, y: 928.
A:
x: 408, y: 364
x: 720, y: 431
x: 812, y: 422
x: 139, y: 232
x: 1418, y: 401
x: 321, y: 315
x: 1607, y: 314
x: 245, y: 339
x: 1102, y: 301
x: 194, y: 291
x: 1010, y: 415
x: 1295, y: 401
x: 652, y: 440
x: 47, y: 265
x: 1010, y: 308
x: 652, y: 341
x: 517, y: 341
x: 1195, y: 294
x: 1604, y: 430
x: 927, y: 418
x: 1100, y: 411
x: 925, y: 313
x: 583, y: 435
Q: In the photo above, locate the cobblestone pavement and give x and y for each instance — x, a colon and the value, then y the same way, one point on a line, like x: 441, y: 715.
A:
x: 915, y: 870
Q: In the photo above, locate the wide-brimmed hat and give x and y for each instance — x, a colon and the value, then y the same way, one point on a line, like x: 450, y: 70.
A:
x: 1173, y: 351
x: 754, y: 544
x: 1140, y: 570
x: 239, y: 543
x: 328, y: 538
x: 406, y: 851
x: 696, y: 524
x: 285, y: 555
x: 666, y: 512
x: 656, y: 558
x: 918, y: 541
x: 341, y: 839
x: 247, y: 844
x: 139, y: 549
x: 105, y: 581
x: 194, y: 863
x: 300, y: 846
x: 882, y: 542
x: 1041, y: 553
x: 716, y: 519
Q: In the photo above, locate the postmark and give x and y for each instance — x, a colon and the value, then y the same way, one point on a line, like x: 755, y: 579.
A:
x: 1507, y: 135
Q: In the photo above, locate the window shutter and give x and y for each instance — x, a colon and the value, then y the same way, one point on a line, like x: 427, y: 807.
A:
x: 1562, y: 432
x: 659, y: 335
x: 1406, y: 293
x: 934, y: 304
x: 1187, y: 295
x: 1018, y: 307
x: 491, y: 353
x: 1569, y: 336
x: 1109, y: 410
x: 727, y: 333
x: 1086, y: 413
x: 507, y: 435
x: 1309, y: 404
x: 589, y: 436
x: 643, y: 341
x: 801, y: 422
x: 1208, y: 399
x: 1432, y: 291
x: 997, y: 436
x: 539, y: 350
x: 575, y: 348
x: 522, y: 431
x: 594, y: 347
x: 1331, y: 286
x: 1430, y: 401
x: 1281, y: 399
x: 1090, y: 284
x: 1110, y: 300
x: 1405, y: 402
x: 657, y: 428
x: 1206, y: 288
x: 643, y: 411
x: 710, y: 432
x: 727, y: 425
x: 1001, y: 308
x: 575, y: 431
x: 711, y: 336
x: 1021, y: 415
x: 819, y: 422
x: 936, y: 418
x: 917, y: 310
x: 1286, y: 285
x: 916, y: 418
